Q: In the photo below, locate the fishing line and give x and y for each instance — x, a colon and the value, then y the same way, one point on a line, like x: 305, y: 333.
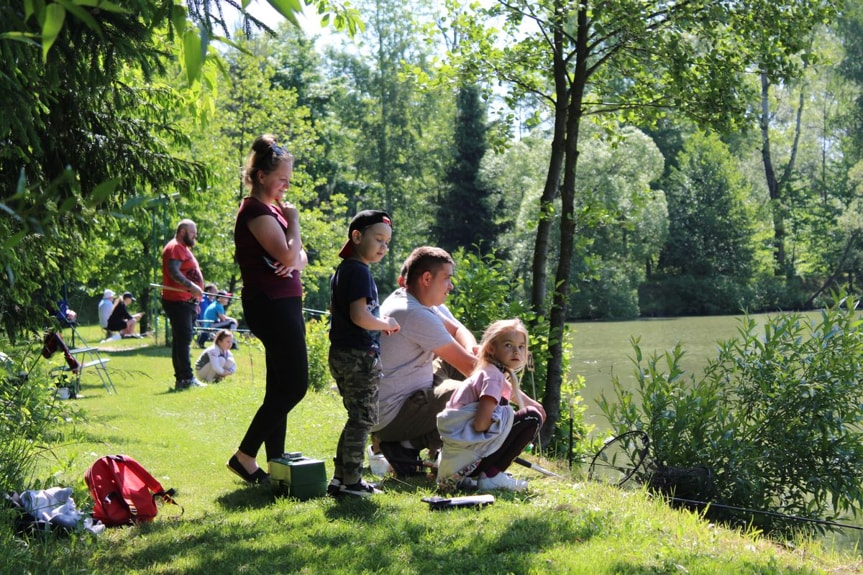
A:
x: 762, y: 512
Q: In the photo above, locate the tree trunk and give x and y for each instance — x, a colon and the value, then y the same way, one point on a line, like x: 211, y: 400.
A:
x: 557, y: 315
x: 772, y: 183
x: 552, y: 180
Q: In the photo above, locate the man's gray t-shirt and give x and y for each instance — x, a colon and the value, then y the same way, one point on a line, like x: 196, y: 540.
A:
x: 406, y: 356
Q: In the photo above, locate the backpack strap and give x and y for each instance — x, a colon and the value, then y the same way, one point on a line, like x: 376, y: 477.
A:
x: 151, y: 482
x: 115, y: 461
x: 168, y: 497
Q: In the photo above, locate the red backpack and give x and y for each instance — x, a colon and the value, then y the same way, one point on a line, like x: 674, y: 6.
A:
x: 123, y: 491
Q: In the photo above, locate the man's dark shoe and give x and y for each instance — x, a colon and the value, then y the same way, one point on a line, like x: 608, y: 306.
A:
x: 405, y: 461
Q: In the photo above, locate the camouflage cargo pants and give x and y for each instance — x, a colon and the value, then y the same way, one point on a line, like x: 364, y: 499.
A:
x: 357, y: 374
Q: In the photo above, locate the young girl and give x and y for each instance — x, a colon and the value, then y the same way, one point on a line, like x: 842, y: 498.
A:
x: 217, y: 362
x: 482, y: 435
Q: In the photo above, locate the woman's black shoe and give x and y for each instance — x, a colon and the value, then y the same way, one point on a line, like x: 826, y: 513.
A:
x: 259, y: 477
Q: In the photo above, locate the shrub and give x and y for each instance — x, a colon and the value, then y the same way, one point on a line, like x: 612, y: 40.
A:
x: 776, y: 417
x: 690, y: 295
x: 318, y: 345
x: 30, y: 417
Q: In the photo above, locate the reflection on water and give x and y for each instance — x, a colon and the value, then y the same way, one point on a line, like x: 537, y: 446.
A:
x: 603, y: 350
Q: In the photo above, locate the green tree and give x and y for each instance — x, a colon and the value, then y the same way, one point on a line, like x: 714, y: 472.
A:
x: 707, y: 201
x: 396, y: 135
x: 709, y: 253
x: 517, y: 173
x: 612, y: 256
x: 83, y: 144
x: 466, y: 209
x: 850, y: 29
x: 625, y: 60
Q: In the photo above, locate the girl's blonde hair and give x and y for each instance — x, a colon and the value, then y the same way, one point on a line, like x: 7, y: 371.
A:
x: 492, y: 334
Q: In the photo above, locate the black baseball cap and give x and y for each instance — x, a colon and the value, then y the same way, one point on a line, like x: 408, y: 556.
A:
x: 360, y: 222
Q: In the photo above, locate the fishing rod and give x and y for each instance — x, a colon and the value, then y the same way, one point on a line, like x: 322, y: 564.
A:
x: 519, y: 460
x: 535, y: 467
x: 169, y: 288
x: 763, y: 512
x: 621, y: 458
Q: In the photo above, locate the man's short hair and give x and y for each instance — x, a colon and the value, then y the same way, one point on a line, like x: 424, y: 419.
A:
x: 424, y: 259
x: 184, y: 224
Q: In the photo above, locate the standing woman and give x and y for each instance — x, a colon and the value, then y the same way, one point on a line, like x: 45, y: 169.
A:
x: 270, y: 254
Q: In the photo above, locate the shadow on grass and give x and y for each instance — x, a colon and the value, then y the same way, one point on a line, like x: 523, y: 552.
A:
x: 246, y: 497
x: 93, y: 386
x: 398, y: 538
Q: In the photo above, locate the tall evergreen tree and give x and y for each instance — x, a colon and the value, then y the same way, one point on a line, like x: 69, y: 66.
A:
x: 465, y: 208
x: 709, y: 253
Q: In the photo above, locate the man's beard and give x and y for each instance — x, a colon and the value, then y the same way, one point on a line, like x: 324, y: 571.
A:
x: 187, y: 241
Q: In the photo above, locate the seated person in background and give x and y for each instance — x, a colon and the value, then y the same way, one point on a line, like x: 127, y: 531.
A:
x: 215, y: 318
x: 66, y: 315
x: 121, y: 320
x: 209, y: 297
x: 217, y: 362
x: 408, y: 399
x: 106, y: 306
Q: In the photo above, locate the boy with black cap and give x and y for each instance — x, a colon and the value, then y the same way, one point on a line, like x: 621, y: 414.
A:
x: 354, y: 345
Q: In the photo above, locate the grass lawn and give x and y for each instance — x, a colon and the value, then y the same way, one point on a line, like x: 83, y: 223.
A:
x: 184, y: 439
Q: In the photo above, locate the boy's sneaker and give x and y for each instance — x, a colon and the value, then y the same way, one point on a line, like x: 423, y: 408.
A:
x: 503, y: 481
x: 195, y: 383
x: 404, y: 461
x: 360, y: 489
x: 334, y: 489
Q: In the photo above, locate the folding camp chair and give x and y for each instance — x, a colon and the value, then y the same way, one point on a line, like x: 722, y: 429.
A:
x: 90, y: 357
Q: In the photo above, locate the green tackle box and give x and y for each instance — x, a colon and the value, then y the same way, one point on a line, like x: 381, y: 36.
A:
x: 297, y: 476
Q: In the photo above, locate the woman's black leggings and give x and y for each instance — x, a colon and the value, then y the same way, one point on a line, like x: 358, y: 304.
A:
x: 280, y: 326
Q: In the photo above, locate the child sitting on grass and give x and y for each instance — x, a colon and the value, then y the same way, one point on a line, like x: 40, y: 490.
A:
x: 482, y: 434
x: 217, y: 362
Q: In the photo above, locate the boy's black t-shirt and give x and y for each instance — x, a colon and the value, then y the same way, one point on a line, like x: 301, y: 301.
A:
x: 353, y: 280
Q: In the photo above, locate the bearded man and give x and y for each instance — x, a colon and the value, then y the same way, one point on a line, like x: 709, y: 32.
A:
x: 183, y: 286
